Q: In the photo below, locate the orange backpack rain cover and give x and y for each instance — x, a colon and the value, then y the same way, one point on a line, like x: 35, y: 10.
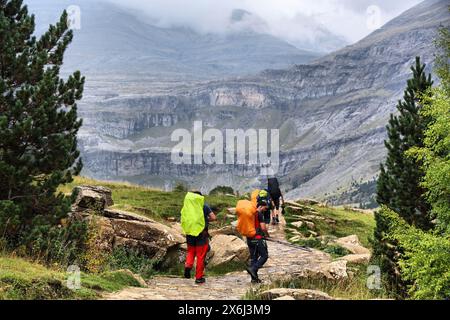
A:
x: 254, y: 196
x: 246, y: 212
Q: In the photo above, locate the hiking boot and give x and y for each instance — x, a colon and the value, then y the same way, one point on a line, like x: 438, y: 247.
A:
x: 200, y: 281
x: 187, y: 273
x: 252, y: 273
x: 257, y: 280
x: 277, y: 219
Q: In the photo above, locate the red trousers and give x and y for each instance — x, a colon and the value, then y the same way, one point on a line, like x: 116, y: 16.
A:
x: 199, y: 252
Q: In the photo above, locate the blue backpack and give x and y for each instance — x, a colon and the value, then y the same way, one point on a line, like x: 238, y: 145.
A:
x: 264, y: 199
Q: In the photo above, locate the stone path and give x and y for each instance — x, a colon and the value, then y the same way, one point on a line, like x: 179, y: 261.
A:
x: 284, y: 261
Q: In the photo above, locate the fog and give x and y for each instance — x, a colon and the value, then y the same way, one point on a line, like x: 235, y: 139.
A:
x: 292, y: 20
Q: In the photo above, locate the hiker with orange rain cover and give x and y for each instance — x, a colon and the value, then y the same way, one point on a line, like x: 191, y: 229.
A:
x: 252, y: 226
x: 195, y: 216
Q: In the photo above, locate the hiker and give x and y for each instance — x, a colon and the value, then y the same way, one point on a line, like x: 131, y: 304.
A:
x: 252, y: 226
x: 275, y: 193
x: 195, y: 217
x: 264, y: 201
x: 257, y: 245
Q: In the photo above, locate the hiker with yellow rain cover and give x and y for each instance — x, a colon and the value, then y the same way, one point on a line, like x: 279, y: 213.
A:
x: 195, y: 216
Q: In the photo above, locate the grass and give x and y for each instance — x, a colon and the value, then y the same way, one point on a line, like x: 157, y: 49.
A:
x: 155, y: 204
x: 347, y: 223
x: 21, y: 279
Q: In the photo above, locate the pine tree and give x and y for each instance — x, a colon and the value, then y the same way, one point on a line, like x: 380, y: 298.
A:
x: 38, y: 123
x: 399, y: 182
x: 398, y: 185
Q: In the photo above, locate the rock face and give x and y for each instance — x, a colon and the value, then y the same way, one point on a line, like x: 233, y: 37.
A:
x: 122, y: 229
x: 225, y: 248
x: 296, y: 294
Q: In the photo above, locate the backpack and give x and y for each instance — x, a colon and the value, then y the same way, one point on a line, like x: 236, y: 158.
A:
x: 254, y: 197
x: 192, y: 216
x: 264, y: 199
x: 246, y: 212
x: 273, y: 187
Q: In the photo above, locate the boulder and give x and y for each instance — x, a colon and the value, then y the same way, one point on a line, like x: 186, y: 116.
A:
x: 88, y: 199
x: 356, y: 258
x: 103, y: 240
x: 296, y: 294
x: 124, y: 215
x: 298, y: 224
x: 352, y: 244
x: 225, y: 249
x: 227, y: 230
x: 149, y: 231
x: 336, y: 270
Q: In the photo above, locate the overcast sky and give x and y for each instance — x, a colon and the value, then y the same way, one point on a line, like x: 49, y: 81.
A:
x: 287, y: 19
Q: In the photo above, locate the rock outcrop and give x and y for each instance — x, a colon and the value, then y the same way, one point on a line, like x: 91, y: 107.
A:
x: 116, y: 228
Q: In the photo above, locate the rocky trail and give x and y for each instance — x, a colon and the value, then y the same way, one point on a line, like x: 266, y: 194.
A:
x: 165, y: 242
x: 284, y: 262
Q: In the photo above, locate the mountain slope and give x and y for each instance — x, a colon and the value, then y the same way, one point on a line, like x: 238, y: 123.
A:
x: 115, y: 41
x: 331, y: 115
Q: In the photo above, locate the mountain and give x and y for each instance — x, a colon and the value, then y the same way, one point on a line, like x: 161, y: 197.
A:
x: 331, y: 114
x: 116, y: 41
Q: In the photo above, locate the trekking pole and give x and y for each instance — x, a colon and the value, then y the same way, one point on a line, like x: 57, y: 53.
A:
x: 290, y: 245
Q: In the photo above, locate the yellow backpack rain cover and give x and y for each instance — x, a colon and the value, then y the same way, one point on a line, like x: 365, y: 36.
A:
x: 192, y: 217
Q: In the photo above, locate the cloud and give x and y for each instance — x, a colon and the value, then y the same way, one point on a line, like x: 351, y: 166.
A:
x: 292, y: 20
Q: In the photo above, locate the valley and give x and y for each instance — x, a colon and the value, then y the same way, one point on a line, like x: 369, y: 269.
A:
x: 331, y: 114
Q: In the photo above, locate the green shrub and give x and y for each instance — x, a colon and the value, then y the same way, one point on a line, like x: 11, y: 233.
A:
x: 9, y: 221
x: 60, y: 244
x: 41, y: 239
x: 133, y: 260
x: 425, y: 259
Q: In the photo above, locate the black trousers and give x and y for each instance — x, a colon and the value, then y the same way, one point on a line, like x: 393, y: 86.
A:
x: 258, y: 253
